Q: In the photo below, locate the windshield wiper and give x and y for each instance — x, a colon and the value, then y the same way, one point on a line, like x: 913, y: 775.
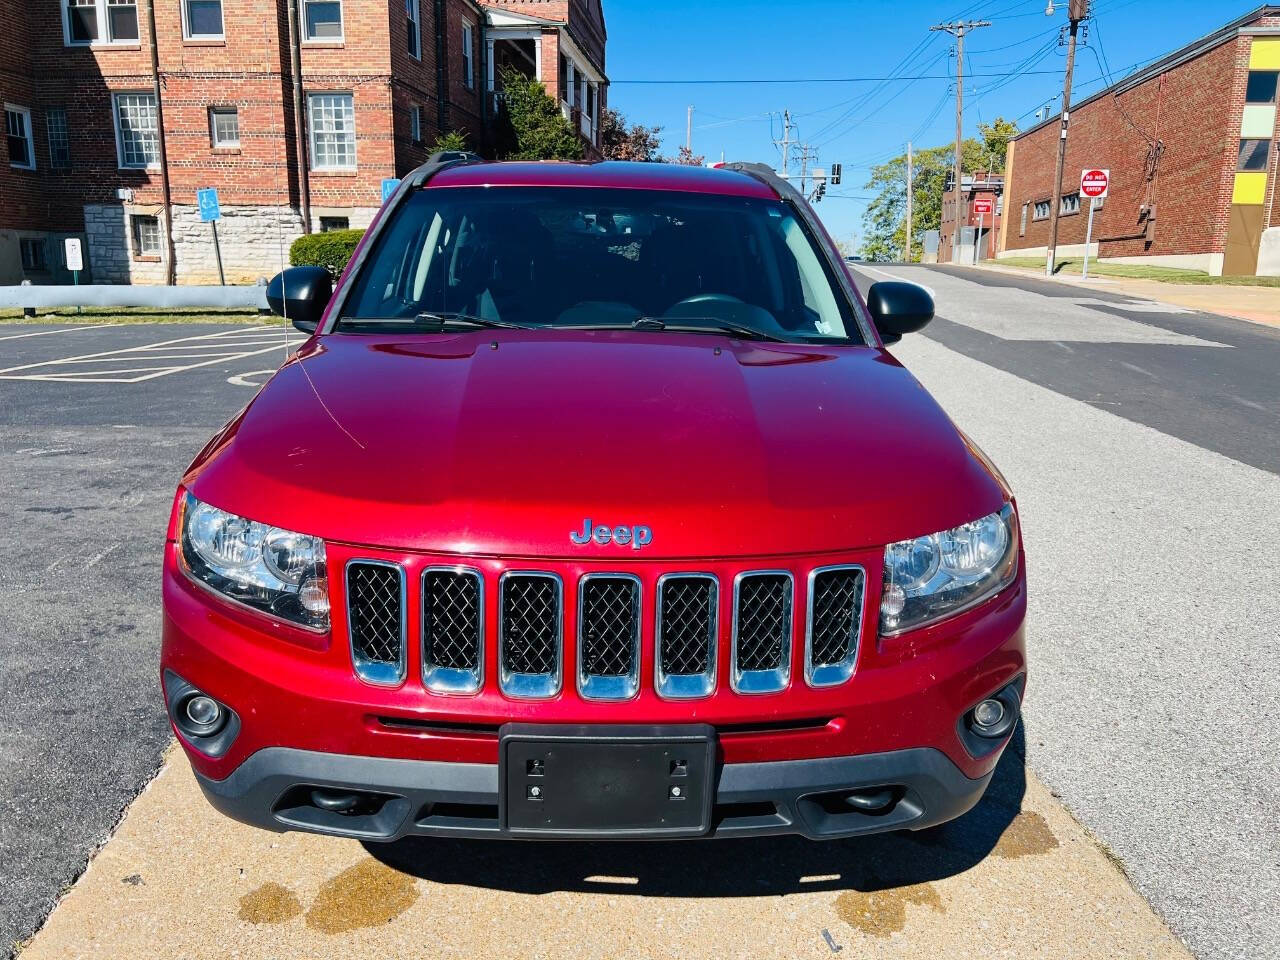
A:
x: 469, y: 320
x: 704, y: 325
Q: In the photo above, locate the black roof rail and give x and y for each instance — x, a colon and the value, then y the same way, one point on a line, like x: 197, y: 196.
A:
x: 439, y: 161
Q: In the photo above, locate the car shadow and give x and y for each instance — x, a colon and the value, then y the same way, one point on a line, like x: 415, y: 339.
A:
x: 753, y: 867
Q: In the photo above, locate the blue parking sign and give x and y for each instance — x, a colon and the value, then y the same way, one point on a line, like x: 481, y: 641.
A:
x: 207, y: 200
x: 389, y: 187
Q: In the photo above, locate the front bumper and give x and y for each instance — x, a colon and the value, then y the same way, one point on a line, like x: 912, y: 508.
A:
x: 271, y: 789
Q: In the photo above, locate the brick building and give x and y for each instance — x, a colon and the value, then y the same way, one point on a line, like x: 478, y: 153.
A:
x: 100, y: 126
x: 976, y: 229
x: 1192, y: 145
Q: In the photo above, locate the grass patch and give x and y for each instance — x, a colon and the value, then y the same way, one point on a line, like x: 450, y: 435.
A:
x: 139, y: 315
x: 1138, y: 271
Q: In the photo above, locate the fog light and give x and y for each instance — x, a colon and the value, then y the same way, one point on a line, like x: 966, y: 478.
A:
x: 314, y: 595
x: 203, y: 711
x: 893, y: 602
x: 988, y: 713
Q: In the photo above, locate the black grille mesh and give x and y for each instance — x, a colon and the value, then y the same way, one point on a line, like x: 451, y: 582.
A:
x: 837, y: 615
x: 763, y: 619
x: 610, y: 618
x: 688, y: 613
x: 530, y: 617
x: 373, y: 598
x: 451, y: 619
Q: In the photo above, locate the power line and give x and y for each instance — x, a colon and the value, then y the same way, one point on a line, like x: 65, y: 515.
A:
x: 774, y: 80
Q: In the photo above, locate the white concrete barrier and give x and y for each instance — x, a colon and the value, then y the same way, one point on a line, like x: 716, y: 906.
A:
x: 135, y: 295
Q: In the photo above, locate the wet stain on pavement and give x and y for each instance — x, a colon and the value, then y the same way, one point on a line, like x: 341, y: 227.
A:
x: 366, y: 895
x: 883, y: 912
x: 270, y: 903
x: 1027, y: 835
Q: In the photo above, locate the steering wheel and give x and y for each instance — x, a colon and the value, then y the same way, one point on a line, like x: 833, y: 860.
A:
x: 701, y: 300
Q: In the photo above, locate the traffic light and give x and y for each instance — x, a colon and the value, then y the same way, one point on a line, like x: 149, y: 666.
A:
x: 835, y: 174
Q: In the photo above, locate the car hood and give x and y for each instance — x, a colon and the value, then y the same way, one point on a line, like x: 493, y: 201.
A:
x: 504, y: 442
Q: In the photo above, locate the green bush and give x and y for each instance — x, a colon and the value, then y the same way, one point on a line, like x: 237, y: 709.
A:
x: 331, y: 250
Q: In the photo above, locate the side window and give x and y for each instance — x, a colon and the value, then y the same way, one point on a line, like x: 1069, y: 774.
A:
x: 818, y: 299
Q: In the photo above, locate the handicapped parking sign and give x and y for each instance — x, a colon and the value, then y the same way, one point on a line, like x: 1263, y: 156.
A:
x: 207, y: 200
x: 389, y: 187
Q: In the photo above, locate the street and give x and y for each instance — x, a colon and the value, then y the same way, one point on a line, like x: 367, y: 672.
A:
x: 1142, y: 443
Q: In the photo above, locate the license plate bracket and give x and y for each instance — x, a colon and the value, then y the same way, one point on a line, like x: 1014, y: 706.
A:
x: 606, y: 781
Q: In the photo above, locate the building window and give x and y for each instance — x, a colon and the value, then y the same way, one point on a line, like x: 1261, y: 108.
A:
x: 17, y: 124
x: 100, y: 21
x: 1022, y: 227
x: 224, y: 127
x: 415, y: 123
x: 1261, y: 87
x: 146, y: 235
x: 323, y: 19
x: 333, y: 131
x: 1070, y: 204
x: 55, y: 119
x: 1041, y: 210
x: 328, y: 224
x: 202, y: 19
x: 137, y: 143
x: 468, y: 56
x: 33, y: 254
x: 411, y: 13
x: 1253, y: 155
x: 563, y: 84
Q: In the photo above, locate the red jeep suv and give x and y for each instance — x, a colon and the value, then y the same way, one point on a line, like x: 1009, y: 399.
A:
x: 593, y: 506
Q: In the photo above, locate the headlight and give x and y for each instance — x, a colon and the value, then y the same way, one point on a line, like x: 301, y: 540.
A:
x: 929, y: 578
x: 276, y: 571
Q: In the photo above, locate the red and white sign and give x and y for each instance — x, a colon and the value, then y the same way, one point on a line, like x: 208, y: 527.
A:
x: 1094, y: 183
x: 983, y: 205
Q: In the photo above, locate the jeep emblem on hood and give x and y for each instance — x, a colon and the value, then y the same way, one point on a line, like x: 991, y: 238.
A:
x: 637, y: 536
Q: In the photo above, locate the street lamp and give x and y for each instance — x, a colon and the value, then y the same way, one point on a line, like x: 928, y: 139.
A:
x: 1049, y: 9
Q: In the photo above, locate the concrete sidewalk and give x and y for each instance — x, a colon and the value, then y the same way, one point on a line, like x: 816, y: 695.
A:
x: 178, y: 880
x: 1259, y: 304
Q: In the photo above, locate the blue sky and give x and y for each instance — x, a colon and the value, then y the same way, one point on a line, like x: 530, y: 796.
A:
x: 810, y: 39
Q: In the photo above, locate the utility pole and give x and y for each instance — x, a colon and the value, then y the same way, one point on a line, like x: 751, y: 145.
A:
x: 1077, y: 10
x: 688, y: 132
x: 958, y: 29
x: 786, y: 141
x: 910, y: 196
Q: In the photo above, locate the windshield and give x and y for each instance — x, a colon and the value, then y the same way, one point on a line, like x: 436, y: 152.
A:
x: 589, y: 257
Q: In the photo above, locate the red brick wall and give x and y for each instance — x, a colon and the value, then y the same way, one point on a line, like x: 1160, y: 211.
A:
x: 22, y: 196
x: 1194, y: 109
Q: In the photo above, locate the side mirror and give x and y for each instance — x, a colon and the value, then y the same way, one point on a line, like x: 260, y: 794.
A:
x: 300, y: 294
x: 898, y: 307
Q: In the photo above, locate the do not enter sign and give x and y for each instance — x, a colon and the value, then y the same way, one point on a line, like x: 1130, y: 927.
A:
x: 1094, y: 183
x: 983, y: 205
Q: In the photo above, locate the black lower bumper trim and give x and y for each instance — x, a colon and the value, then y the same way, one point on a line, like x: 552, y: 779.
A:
x: 398, y: 798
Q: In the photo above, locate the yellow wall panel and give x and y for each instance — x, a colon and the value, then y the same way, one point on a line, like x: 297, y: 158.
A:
x: 1250, y: 188
x: 1264, y: 54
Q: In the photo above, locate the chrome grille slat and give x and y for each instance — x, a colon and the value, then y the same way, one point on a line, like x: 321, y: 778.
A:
x: 833, y: 623
x: 609, y: 636
x: 686, y: 633
x: 762, y: 627
x: 452, y: 630
x: 375, y: 593
x: 530, y: 633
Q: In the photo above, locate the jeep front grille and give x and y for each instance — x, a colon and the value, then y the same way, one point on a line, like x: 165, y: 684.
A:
x: 530, y: 629
x: 686, y: 632
x: 376, y: 619
x: 833, y: 624
x: 762, y: 625
x: 452, y: 630
x: 609, y: 636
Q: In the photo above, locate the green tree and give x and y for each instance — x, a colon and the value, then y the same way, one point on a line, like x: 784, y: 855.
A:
x: 531, y: 124
x: 455, y: 141
x: 885, y: 220
x: 622, y: 141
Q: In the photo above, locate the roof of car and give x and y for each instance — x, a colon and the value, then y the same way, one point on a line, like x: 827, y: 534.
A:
x: 607, y: 173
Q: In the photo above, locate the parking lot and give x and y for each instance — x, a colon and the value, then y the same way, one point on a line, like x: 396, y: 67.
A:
x: 1136, y: 808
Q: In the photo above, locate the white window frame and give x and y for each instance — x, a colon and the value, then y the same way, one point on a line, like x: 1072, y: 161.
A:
x: 415, y: 123
x: 104, y: 26
x: 468, y: 54
x: 413, y: 13
x: 135, y: 236
x: 186, y: 25
x: 342, y: 23
x: 25, y: 114
x: 311, y: 129
x: 115, y: 118
x: 213, y: 127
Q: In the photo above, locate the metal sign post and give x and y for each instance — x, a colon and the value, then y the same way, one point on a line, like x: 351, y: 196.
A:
x: 211, y: 213
x: 981, y: 206
x: 1094, y: 184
